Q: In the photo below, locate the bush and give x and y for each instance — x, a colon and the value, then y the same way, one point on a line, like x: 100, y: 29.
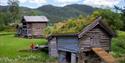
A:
x: 118, y: 44
x: 113, y: 19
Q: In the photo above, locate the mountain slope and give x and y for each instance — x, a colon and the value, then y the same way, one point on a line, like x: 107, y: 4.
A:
x: 56, y: 14
x: 70, y: 11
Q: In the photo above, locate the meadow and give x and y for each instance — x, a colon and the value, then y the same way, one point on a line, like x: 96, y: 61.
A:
x: 17, y: 50
x: 11, y: 46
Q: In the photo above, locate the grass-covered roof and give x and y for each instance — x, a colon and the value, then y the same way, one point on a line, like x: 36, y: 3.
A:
x: 69, y: 26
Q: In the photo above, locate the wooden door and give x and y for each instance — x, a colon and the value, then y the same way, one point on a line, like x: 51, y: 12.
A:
x: 95, y: 39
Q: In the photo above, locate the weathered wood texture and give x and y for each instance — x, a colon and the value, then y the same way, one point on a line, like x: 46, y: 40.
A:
x: 53, y: 47
x: 97, y: 37
x: 68, y: 44
x: 81, y: 57
x: 33, y: 29
x: 37, y: 28
x: 32, y: 26
x: 62, y: 57
x: 104, y: 55
x: 73, y: 58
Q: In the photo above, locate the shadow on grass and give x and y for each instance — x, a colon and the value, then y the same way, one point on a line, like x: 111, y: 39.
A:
x: 4, y: 34
x: 44, y: 50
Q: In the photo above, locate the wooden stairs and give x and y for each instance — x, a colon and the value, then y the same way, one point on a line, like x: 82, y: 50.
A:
x: 104, y: 55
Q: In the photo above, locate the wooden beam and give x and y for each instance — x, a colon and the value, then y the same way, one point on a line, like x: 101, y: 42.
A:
x: 104, y: 55
x: 73, y: 58
x: 81, y: 58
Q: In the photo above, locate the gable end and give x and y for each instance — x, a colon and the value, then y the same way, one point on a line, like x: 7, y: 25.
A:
x: 97, y: 22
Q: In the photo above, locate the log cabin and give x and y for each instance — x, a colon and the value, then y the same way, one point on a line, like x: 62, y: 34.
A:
x: 32, y: 26
x: 91, y: 45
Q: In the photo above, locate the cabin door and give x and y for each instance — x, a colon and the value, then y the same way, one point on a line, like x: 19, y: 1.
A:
x: 95, y: 39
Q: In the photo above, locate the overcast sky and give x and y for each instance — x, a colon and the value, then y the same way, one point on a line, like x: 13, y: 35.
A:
x: 94, y: 3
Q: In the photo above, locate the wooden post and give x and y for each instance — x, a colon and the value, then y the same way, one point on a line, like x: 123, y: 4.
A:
x: 81, y: 58
x: 62, y: 57
x: 73, y: 58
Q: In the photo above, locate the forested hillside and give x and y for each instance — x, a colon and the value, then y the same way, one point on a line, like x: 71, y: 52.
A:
x: 56, y: 13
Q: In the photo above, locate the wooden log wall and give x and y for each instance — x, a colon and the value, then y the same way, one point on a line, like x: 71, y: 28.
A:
x: 97, y: 37
x: 53, y: 47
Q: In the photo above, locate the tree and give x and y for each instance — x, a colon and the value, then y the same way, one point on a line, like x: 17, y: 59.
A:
x: 3, y: 20
x: 113, y: 19
x: 13, y: 10
x: 122, y: 12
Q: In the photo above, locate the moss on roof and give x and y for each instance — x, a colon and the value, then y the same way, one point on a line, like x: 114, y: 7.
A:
x: 69, y: 26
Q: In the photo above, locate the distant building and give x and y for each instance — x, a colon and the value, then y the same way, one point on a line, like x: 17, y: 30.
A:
x: 32, y: 26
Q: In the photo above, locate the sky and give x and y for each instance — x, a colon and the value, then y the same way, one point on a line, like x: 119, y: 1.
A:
x: 61, y: 3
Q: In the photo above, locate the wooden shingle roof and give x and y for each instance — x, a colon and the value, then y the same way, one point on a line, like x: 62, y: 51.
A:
x: 35, y: 18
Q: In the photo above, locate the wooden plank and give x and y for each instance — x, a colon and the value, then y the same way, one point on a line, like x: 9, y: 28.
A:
x: 104, y: 55
x: 73, y: 58
x: 53, y: 48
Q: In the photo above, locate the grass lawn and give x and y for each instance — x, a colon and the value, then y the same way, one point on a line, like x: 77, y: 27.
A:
x: 10, y: 47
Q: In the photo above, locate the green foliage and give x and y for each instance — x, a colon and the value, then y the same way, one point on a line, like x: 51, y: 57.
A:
x: 13, y: 10
x: 62, y: 13
x: 4, y: 20
x: 118, y: 44
x: 122, y: 61
x: 73, y: 25
x: 113, y: 19
x: 121, y: 9
x: 13, y: 13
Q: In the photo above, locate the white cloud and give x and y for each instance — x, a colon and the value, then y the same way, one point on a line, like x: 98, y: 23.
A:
x: 38, y: 1
x: 23, y: 1
x: 101, y: 3
x: 65, y: 2
x: 3, y: 2
x: 27, y: 3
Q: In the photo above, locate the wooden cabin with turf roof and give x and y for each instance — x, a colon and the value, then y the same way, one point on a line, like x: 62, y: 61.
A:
x: 32, y: 26
x: 91, y: 45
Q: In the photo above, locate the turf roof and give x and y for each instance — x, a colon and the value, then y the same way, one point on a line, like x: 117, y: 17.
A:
x: 71, y: 26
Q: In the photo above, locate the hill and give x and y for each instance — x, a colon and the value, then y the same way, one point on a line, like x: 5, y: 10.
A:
x: 70, y: 11
x: 56, y: 13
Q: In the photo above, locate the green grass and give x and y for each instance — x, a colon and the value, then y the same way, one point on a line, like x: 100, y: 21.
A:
x: 118, y: 46
x: 11, y: 46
